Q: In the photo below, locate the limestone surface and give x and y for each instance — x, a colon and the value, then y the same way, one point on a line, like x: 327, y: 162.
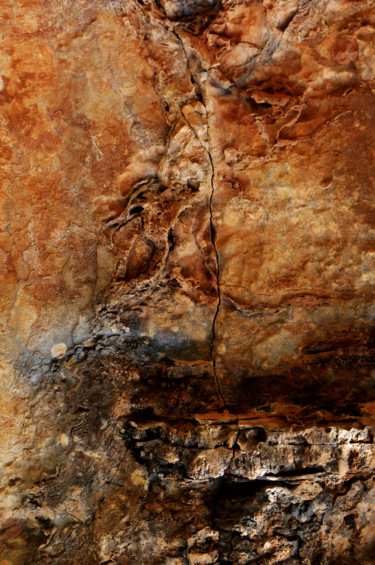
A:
x: 187, y: 282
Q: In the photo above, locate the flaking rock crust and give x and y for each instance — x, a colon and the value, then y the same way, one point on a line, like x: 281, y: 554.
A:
x: 187, y: 278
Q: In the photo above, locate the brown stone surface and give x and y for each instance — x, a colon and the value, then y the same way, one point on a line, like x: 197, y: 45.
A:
x: 187, y: 248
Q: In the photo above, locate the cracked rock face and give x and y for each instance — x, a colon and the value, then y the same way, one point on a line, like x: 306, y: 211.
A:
x: 187, y: 248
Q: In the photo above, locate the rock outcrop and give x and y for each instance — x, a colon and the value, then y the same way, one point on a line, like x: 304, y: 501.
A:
x: 187, y: 336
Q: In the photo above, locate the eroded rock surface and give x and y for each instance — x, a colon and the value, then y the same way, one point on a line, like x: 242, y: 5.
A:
x: 187, y: 278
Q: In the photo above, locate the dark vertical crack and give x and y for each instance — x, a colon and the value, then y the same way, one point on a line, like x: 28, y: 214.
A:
x: 212, y: 227
x: 213, y: 332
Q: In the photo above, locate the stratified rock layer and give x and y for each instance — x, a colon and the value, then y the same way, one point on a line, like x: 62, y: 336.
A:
x: 187, y: 282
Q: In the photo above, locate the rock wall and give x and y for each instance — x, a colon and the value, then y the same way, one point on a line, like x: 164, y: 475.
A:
x: 187, y: 247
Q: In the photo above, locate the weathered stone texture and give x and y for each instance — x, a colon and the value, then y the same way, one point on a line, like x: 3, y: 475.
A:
x: 187, y: 249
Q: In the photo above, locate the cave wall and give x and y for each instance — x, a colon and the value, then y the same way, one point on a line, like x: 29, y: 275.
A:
x: 187, y: 248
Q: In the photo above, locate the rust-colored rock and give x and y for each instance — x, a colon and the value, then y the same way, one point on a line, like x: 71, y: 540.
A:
x: 187, y: 282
